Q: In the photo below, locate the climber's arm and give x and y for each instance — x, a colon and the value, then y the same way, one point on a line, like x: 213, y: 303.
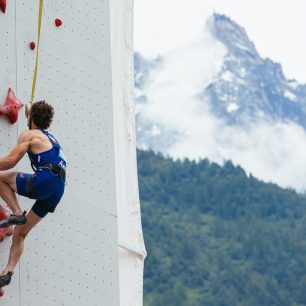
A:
x: 17, y: 153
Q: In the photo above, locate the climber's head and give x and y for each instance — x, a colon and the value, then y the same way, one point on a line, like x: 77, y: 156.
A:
x: 40, y: 115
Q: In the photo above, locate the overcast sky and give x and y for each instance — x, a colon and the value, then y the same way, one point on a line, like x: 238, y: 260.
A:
x: 277, y: 27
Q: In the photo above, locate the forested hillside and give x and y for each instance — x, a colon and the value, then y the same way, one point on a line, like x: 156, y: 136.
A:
x: 217, y: 237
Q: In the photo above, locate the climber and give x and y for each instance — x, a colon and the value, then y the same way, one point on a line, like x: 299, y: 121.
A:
x: 46, y: 184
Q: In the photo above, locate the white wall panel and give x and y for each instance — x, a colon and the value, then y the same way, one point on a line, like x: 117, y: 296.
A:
x: 8, y: 133
x: 71, y: 258
x: 72, y: 263
x: 85, y: 24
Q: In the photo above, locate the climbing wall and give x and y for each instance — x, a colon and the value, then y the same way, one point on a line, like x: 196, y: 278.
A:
x: 72, y: 257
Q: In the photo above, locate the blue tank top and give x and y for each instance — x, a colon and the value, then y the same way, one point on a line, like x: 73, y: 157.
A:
x: 54, y: 156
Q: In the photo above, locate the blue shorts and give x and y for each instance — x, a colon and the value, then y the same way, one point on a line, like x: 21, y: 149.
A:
x: 44, y: 186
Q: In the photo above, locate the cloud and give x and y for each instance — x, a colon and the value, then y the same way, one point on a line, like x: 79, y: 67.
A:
x: 182, y: 74
x: 271, y: 151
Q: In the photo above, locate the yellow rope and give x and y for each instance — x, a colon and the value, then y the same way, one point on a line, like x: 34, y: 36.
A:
x: 37, y: 50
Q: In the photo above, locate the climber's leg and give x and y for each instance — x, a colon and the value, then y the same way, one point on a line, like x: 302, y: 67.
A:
x: 19, y: 235
x: 8, y: 189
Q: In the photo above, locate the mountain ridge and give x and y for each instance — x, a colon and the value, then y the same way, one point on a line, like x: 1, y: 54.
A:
x: 217, y: 97
x: 266, y: 92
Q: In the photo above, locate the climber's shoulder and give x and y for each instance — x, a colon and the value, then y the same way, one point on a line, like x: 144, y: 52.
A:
x: 30, y: 136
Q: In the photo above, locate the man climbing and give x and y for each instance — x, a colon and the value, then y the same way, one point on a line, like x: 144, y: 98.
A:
x: 46, y: 184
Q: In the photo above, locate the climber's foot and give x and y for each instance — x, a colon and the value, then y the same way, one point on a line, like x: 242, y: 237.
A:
x: 14, y: 220
x: 5, y: 279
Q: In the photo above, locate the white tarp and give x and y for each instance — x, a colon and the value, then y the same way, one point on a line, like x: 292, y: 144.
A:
x: 131, y: 245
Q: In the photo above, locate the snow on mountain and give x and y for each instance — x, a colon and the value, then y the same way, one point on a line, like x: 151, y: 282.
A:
x: 264, y: 90
x: 216, y: 97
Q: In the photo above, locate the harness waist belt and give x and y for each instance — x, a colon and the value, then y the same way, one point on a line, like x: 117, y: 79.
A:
x: 55, y: 169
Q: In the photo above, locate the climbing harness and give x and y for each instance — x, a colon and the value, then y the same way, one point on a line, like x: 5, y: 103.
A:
x: 57, y: 170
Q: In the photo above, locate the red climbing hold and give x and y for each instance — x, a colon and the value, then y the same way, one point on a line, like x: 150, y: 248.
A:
x: 32, y: 45
x: 11, y: 107
x: 3, y: 5
x: 58, y: 22
x: 8, y: 231
x: 1, y: 292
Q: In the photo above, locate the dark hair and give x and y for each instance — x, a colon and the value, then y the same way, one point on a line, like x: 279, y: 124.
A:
x: 42, y: 114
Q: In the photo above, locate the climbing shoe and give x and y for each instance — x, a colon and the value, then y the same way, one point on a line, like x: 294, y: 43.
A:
x: 14, y: 220
x: 5, y: 279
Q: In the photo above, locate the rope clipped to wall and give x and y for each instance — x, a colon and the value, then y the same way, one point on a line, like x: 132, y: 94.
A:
x: 41, y: 3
